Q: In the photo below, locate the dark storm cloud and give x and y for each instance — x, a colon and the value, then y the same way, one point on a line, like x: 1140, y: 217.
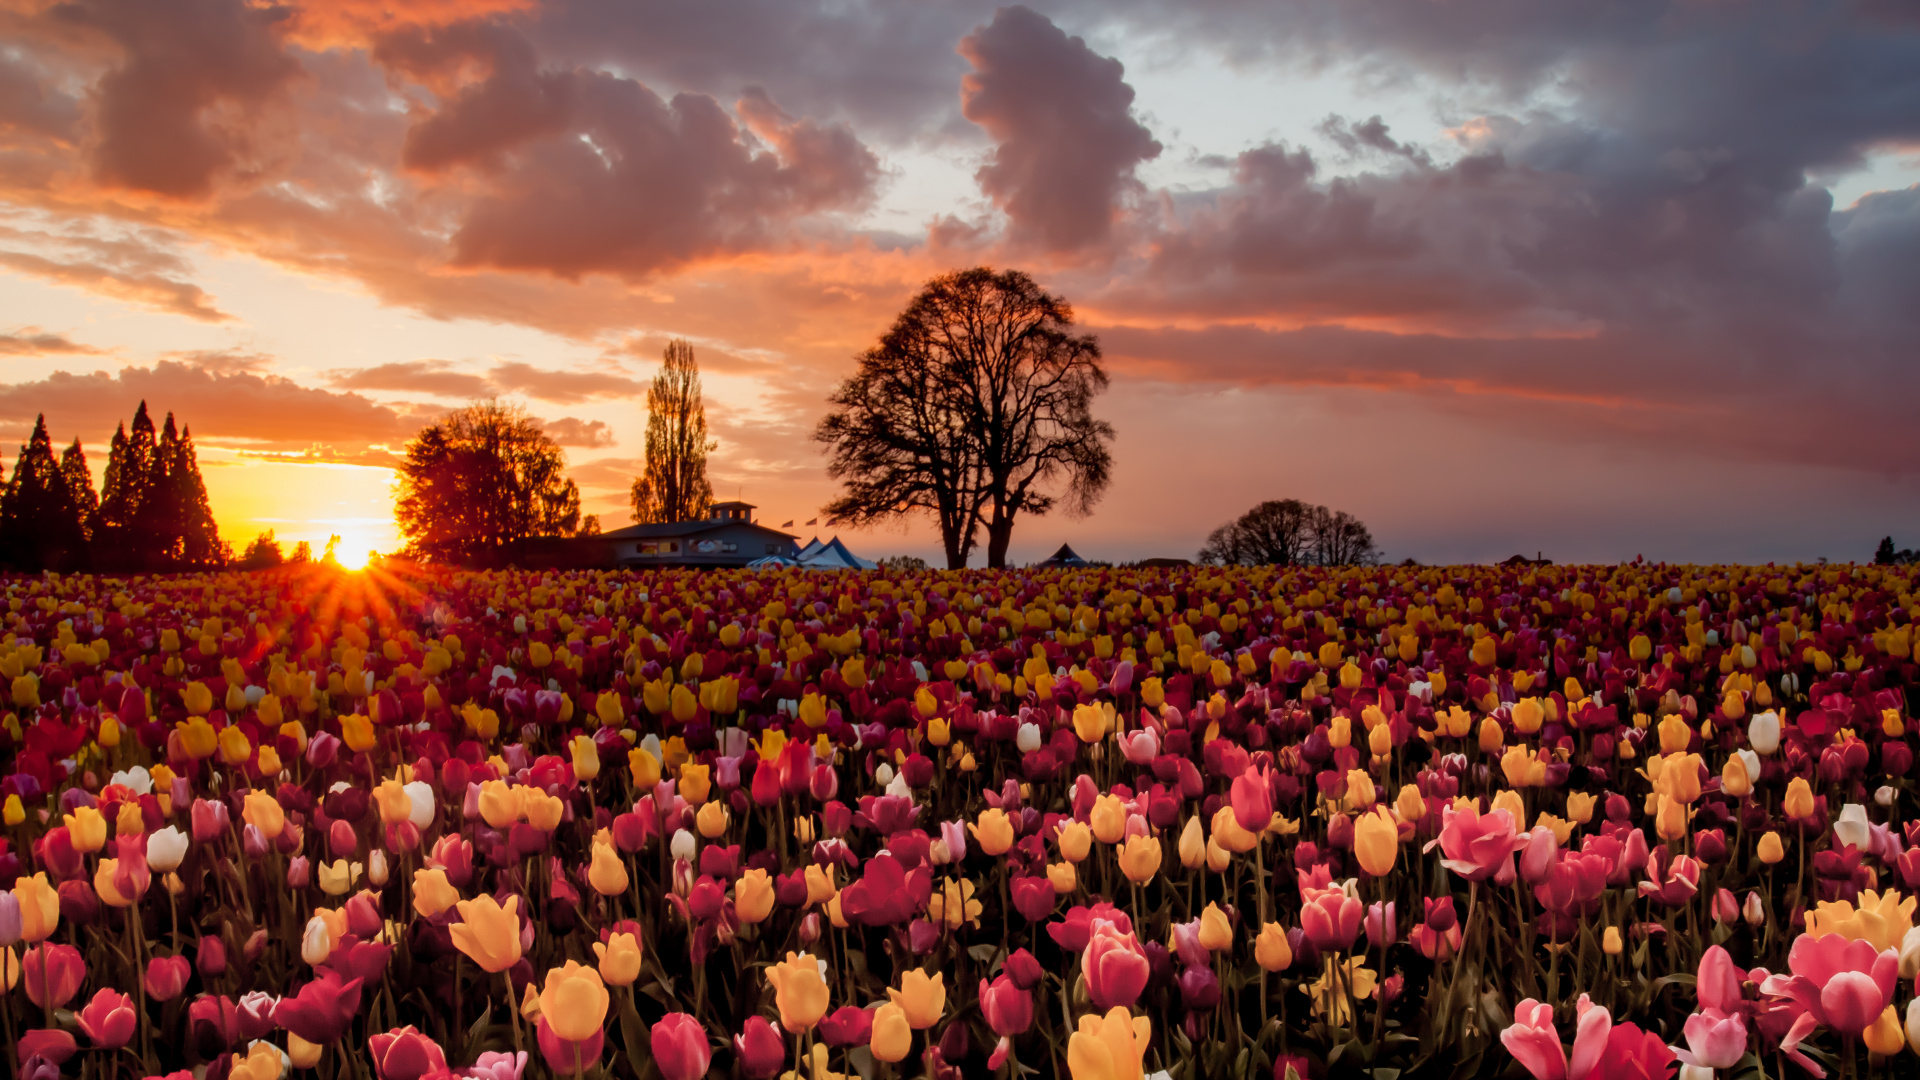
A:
x: 1061, y: 116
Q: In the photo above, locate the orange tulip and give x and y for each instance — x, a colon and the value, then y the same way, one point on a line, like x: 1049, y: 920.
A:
x: 1109, y: 1047
x: 432, y: 893
x: 922, y: 998
x: 620, y: 958
x: 39, y: 907
x: 607, y: 874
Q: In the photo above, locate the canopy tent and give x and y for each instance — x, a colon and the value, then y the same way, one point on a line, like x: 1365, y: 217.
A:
x: 832, y: 555
x: 1066, y: 556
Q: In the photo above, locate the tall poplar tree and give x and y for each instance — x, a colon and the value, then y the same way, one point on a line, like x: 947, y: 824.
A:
x: 673, y: 485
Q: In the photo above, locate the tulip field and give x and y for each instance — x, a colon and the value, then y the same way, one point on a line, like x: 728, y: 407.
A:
x: 1108, y: 824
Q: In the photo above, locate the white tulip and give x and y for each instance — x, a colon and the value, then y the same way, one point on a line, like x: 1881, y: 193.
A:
x: 136, y: 780
x: 421, y: 793
x: 684, y: 846
x: 898, y: 786
x: 1913, y: 1024
x: 883, y: 775
x: 519, y: 624
x: 1763, y: 732
x: 1027, y: 739
x: 377, y: 868
x: 166, y: 848
x: 1885, y: 794
x: 1910, y: 954
x: 1751, y: 762
x: 1851, y: 827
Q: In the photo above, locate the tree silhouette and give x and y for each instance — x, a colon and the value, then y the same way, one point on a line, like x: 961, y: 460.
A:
x: 476, y: 484
x: 974, y: 407
x: 42, y: 525
x: 1288, y: 532
x: 263, y: 553
x: 672, y: 485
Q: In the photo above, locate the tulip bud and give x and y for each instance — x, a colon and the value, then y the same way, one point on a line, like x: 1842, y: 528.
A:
x: 1725, y: 908
x: 1754, y: 910
x: 1611, y: 942
x: 377, y: 868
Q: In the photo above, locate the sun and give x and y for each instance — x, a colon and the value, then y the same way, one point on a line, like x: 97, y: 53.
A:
x: 353, y: 557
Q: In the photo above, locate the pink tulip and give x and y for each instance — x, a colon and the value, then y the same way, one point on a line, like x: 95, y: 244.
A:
x: 1676, y: 885
x: 1476, y: 845
x: 406, y: 1054
x: 1331, y: 919
x: 1115, y: 966
x: 1841, y: 983
x: 1715, y: 1040
x: 53, y: 974
x: 1718, y: 981
x: 1534, y: 1043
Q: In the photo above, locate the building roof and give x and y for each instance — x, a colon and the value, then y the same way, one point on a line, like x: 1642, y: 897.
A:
x: 669, y: 529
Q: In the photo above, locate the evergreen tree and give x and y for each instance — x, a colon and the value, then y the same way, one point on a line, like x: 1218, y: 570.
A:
x: 73, y: 466
x: 121, y: 540
x: 674, y: 485
x: 200, y: 536
x: 40, y: 523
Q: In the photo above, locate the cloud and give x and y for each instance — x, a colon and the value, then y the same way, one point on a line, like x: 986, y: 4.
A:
x: 1062, y: 116
x: 177, y: 113
x: 252, y: 410
x: 562, y: 387
x: 434, y: 377
x: 585, y: 171
x: 32, y: 341
x: 573, y: 431
x: 148, y: 290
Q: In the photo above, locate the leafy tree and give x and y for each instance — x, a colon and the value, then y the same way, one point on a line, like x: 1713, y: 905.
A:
x: 480, y: 481
x: 302, y: 553
x: 263, y: 553
x: 1887, y: 555
x: 1288, y: 532
x: 674, y: 485
x: 975, y: 406
x: 42, y: 525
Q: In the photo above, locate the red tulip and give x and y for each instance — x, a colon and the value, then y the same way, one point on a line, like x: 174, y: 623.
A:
x: 761, y: 1049
x: 406, y: 1054
x: 680, y: 1047
x: 322, y: 1010
x: 109, y: 1019
x: 1007, y: 1008
x: 1115, y: 967
x: 566, y: 1056
x: 53, y: 974
x: 167, y: 976
x: 848, y: 1025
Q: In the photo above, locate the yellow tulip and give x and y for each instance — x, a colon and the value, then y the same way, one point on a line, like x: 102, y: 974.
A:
x: 198, y: 699
x: 1770, y: 849
x: 695, y: 783
x: 432, y: 892
x: 799, y: 993
x: 921, y: 997
x: 1271, y: 950
x: 488, y: 933
x: 1376, y: 842
x: 892, y: 1037
x: 753, y: 896
x: 356, y: 730
x: 1882, y: 918
x: 337, y: 877
x: 543, y: 811
x: 712, y: 820
x: 586, y: 757
x: 1108, y: 819
x: 1109, y: 1047
x: 1140, y: 859
x: 39, y: 907
x: 235, y: 747
x: 263, y: 812
x: 197, y: 737
x: 87, y: 829
x: 1798, y: 803
x: 644, y: 767
x: 1193, y: 847
x: 620, y: 958
x: 992, y: 831
x: 573, y: 1002
x: 1216, y: 933
x: 607, y: 874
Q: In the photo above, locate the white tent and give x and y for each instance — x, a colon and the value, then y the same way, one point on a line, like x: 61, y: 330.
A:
x: 832, y: 555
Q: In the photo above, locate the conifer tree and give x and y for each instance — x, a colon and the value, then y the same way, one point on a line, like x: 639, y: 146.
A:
x: 200, y: 536
x: 40, y: 524
x: 73, y: 466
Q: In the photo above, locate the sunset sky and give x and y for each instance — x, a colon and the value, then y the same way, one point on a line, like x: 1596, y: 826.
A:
x: 1594, y: 279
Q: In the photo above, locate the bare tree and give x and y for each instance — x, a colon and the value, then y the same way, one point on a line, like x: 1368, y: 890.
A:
x: 975, y: 406
x: 1288, y: 532
x: 674, y: 485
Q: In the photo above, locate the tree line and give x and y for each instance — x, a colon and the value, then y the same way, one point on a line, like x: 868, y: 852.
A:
x: 150, y: 515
